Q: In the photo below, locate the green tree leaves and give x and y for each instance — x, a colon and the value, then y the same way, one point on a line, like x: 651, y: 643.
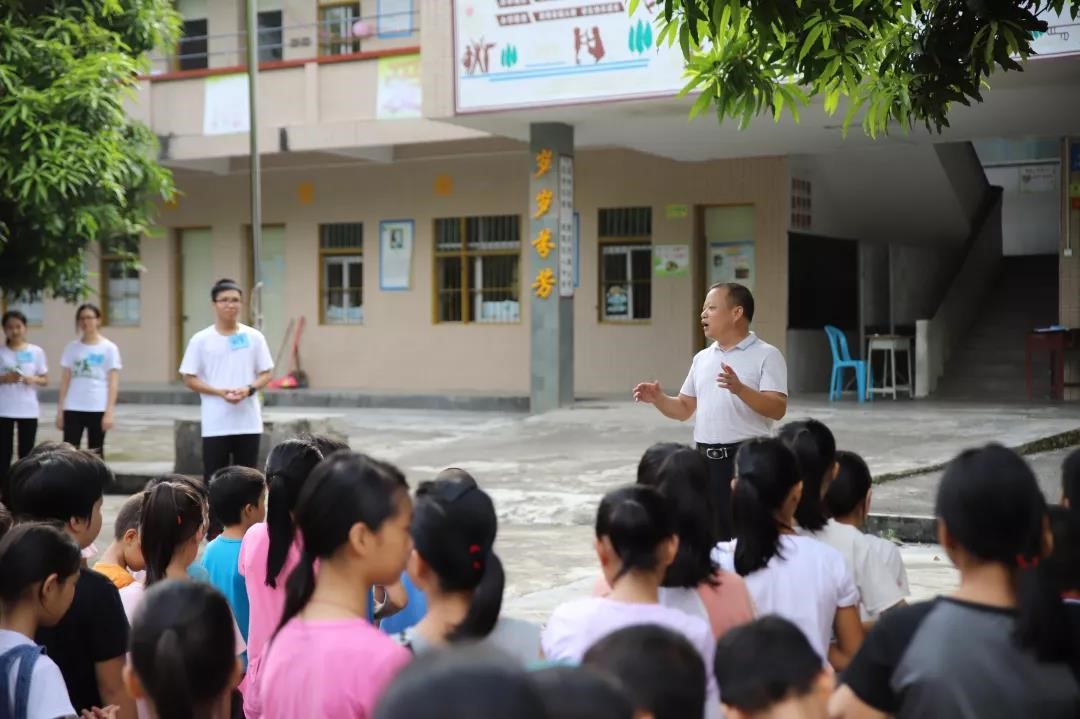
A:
x: 74, y: 168
x: 892, y: 62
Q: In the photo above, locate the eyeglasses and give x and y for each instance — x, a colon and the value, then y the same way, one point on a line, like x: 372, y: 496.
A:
x: 228, y: 301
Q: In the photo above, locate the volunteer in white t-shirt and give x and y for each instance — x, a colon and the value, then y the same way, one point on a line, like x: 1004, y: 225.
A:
x: 89, y: 384
x: 227, y: 364
x: 22, y: 371
x: 737, y: 386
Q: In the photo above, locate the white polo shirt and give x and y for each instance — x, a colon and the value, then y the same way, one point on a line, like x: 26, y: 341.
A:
x: 723, y: 418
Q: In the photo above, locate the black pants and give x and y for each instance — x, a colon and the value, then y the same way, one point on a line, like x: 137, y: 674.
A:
x: 231, y: 450
x: 721, y: 461
x: 76, y: 422
x: 27, y: 435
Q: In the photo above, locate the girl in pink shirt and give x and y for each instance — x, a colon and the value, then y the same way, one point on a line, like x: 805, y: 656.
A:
x: 326, y: 660
x: 183, y: 652
x: 693, y: 582
x: 269, y: 552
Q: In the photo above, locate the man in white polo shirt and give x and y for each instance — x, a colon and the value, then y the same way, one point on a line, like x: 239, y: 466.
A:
x: 227, y: 364
x: 737, y: 385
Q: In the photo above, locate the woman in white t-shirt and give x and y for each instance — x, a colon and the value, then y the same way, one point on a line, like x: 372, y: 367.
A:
x: 799, y: 578
x: 89, y: 384
x: 22, y: 371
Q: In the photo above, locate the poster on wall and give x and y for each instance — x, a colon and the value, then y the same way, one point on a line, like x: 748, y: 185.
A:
x: 395, y: 254
x: 616, y: 302
x: 1062, y: 36
x: 732, y: 262
x: 1039, y: 178
x: 528, y: 53
x: 671, y: 260
x: 567, y: 249
x: 398, y: 93
x: 225, y: 104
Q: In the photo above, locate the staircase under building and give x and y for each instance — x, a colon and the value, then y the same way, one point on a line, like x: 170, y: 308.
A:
x: 988, y: 363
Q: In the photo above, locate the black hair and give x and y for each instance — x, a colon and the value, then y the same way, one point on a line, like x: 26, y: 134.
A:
x: 129, y: 516
x: 659, y: 669
x: 455, y: 474
x: 327, y: 444
x: 850, y: 487
x: 343, y: 491
x: 682, y: 476
x: 6, y: 520
x: 232, y: 489
x: 815, y: 448
x: 766, y: 471
x: 183, y: 648
x: 224, y: 285
x: 30, y: 553
x: 87, y: 306
x: 764, y: 662
x: 51, y: 446
x: 991, y: 505
x: 1064, y: 563
x: 636, y: 520
x: 287, y: 469
x: 463, y: 683
x: 453, y: 529
x: 581, y: 693
x: 172, y: 513
x: 13, y: 315
x: 1070, y: 480
x: 57, y: 485
x: 738, y: 296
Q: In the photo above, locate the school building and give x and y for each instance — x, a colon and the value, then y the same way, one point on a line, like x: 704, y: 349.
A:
x: 471, y: 196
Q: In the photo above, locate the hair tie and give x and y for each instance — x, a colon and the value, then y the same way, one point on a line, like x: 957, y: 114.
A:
x: 1024, y: 563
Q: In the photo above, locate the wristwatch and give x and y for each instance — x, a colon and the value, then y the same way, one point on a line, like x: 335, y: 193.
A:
x: 251, y: 390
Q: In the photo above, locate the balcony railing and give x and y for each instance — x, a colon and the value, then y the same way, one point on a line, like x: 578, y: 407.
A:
x: 340, y: 34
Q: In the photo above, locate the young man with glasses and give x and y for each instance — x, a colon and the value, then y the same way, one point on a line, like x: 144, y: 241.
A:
x: 227, y: 364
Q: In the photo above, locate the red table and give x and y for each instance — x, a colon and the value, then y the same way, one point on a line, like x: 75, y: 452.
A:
x: 1056, y: 343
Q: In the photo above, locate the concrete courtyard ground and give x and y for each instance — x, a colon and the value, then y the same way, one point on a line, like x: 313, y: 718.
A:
x: 547, y: 473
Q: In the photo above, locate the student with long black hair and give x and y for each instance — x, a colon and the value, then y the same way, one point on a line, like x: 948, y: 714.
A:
x: 23, y: 370
x: 326, y: 659
x: 815, y: 448
x: 1003, y: 644
x: 269, y: 552
x: 636, y: 541
x: 454, y: 563
x: 183, y: 652
x: 90, y: 383
x: 799, y: 578
x: 693, y: 582
x: 39, y: 568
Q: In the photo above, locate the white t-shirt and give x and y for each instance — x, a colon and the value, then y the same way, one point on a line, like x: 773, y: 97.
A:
x: 805, y: 584
x: 48, y: 693
x: 228, y: 362
x: 20, y: 401
x: 889, y: 554
x: 877, y: 586
x: 575, y: 626
x: 723, y: 418
x: 90, y: 366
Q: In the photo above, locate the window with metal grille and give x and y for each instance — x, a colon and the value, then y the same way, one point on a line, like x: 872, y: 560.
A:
x: 193, y: 48
x: 476, y: 269
x: 120, y: 273
x: 341, y: 278
x: 336, y: 21
x: 271, y: 39
x: 625, y: 264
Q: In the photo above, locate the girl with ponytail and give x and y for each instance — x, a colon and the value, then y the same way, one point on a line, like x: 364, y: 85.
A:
x: 636, y: 542
x: 454, y: 563
x: 270, y: 550
x: 1003, y: 644
x: 815, y: 448
x: 183, y: 652
x: 799, y: 578
x: 325, y: 659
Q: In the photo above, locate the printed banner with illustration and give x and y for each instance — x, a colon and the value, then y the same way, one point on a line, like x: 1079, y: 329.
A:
x: 398, y: 94
x: 527, y: 53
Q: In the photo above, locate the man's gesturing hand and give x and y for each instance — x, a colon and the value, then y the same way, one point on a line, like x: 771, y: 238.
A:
x: 729, y: 380
x: 648, y: 392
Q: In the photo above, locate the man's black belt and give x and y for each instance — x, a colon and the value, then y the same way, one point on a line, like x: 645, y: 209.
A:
x: 719, y: 451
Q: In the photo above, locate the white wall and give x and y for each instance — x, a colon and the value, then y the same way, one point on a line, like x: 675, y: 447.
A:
x: 1030, y: 216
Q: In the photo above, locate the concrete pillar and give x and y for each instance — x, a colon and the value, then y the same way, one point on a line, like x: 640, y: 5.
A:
x: 1069, y: 256
x: 550, y: 268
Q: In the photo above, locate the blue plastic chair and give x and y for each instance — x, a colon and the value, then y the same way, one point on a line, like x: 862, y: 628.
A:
x: 841, y: 360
